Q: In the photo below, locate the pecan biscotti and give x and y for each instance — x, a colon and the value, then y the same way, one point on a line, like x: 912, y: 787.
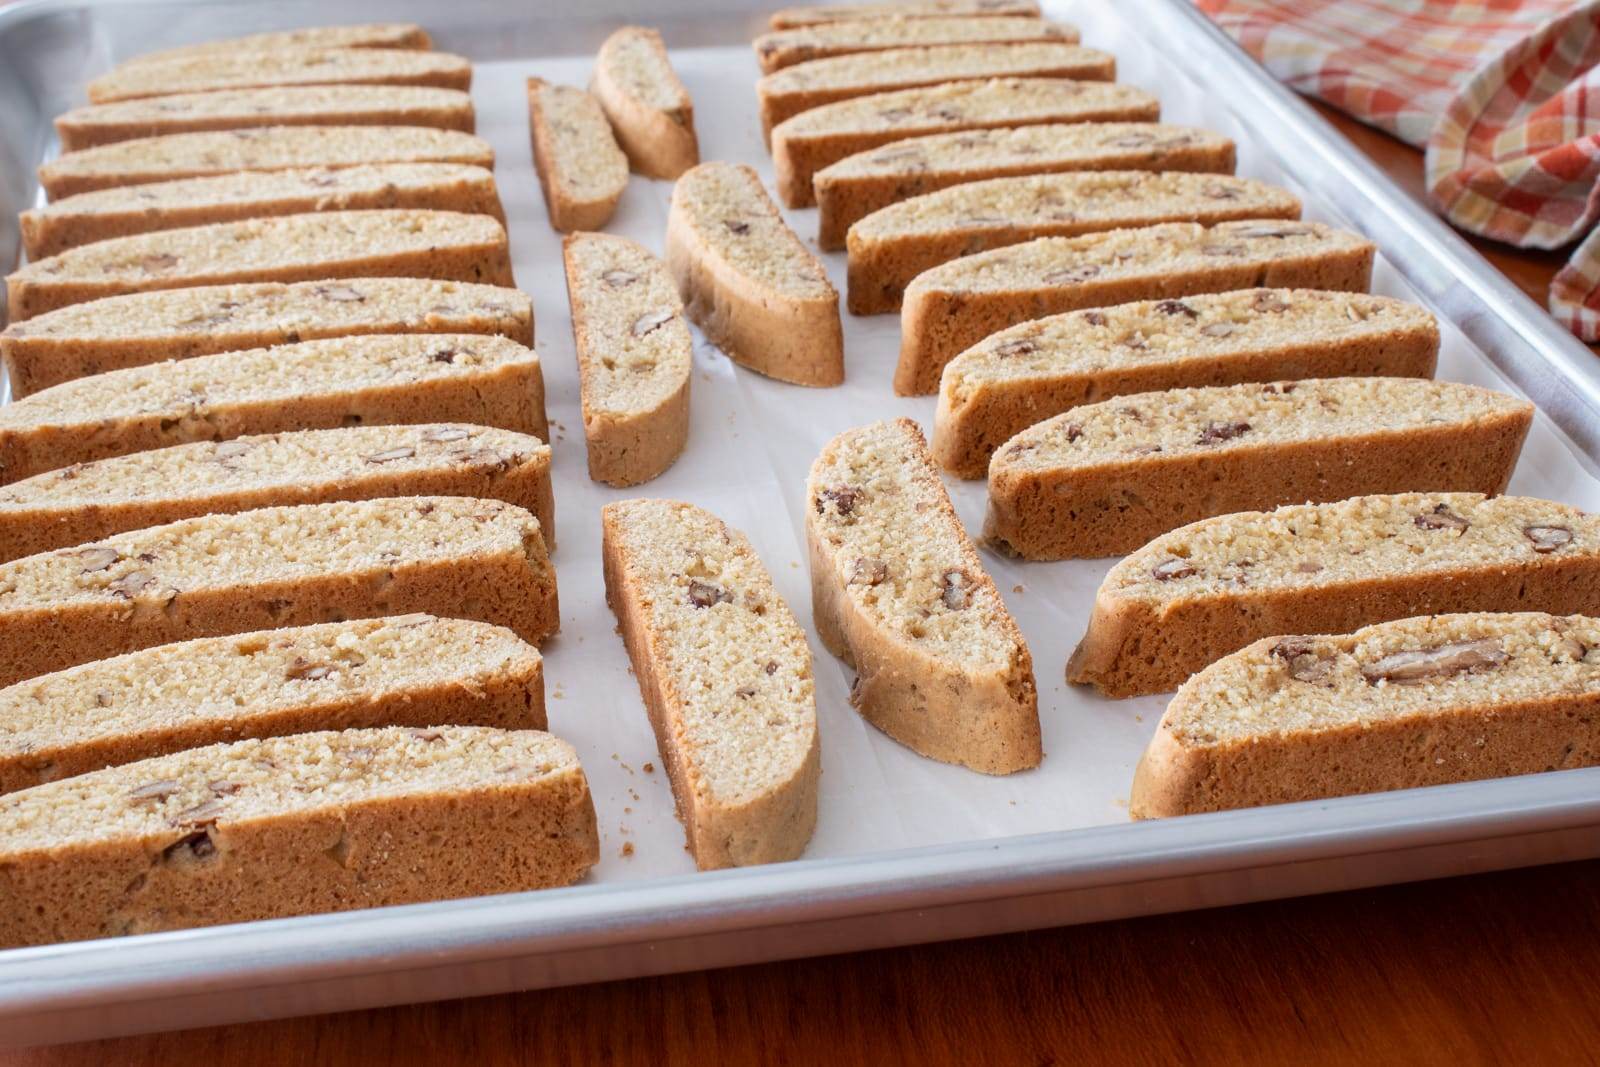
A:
x: 1021, y: 376
x: 245, y: 109
x: 291, y: 826
x: 899, y: 593
x: 748, y: 281
x: 1192, y: 596
x: 379, y: 379
x: 892, y: 246
x: 582, y: 172
x: 310, y: 39
x: 784, y: 48
x: 634, y: 357
x: 1451, y: 698
x: 108, y: 213
x: 648, y: 106
x: 856, y: 186
x: 287, y: 566
x: 1103, y: 479
x: 788, y: 92
x: 792, y: 17
x: 812, y: 140
x: 142, y: 328
x: 444, y: 245
x: 215, y: 154
x: 410, y: 670
x: 210, y: 71
x: 726, y: 678
x: 86, y: 501
x: 952, y: 307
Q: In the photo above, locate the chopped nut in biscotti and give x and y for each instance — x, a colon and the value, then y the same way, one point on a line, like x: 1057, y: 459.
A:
x: 1409, y: 666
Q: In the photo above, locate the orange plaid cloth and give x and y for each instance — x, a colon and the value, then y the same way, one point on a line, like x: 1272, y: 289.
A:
x: 1504, y: 95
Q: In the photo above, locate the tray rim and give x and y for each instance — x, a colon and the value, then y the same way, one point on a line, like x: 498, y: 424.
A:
x: 56, y: 992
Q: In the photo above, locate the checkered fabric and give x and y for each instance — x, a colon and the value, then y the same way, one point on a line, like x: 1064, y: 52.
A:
x: 1504, y: 95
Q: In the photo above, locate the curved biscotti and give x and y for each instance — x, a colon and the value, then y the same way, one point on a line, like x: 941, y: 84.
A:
x: 899, y: 593
x: 953, y: 306
x: 315, y: 38
x: 815, y: 139
x: 1418, y: 702
x: 893, y: 245
x: 634, y: 357
x: 444, y: 245
x: 122, y: 212
x: 218, y: 153
x: 210, y: 71
x: 1021, y: 376
x: 87, y: 501
x: 748, y: 281
x: 291, y: 826
x: 1192, y: 596
x: 792, y: 17
x: 582, y: 172
x: 858, y: 185
x: 409, y: 670
x: 649, y: 108
x: 785, y: 93
x: 1103, y: 479
x: 142, y: 328
x: 344, y: 381
x: 288, y: 566
x: 784, y: 48
x: 726, y: 678
x: 243, y: 109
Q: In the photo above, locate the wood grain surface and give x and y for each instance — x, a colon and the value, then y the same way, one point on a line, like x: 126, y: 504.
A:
x: 1501, y: 968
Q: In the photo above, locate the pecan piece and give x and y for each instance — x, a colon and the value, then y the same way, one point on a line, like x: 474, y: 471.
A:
x: 616, y: 279
x: 132, y: 583
x: 342, y: 294
x: 1070, y: 275
x: 1177, y: 307
x: 1217, y: 432
x: 868, y: 571
x: 306, y: 670
x: 955, y: 589
x: 1017, y: 346
x: 737, y: 226
x: 1302, y: 659
x: 705, y: 594
x: 650, y: 321
x: 1217, y: 329
x: 159, y: 790
x: 389, y: 455
x: 97, y: 559
x: 1441, y: 518
x: 1548, y: 538
x: 844, y: 497
x: 1414, y: 665
x: 1171, y: 569
x: 447, y: 433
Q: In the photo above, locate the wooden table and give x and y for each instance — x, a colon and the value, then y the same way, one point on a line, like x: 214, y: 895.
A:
x: 1497, y: 968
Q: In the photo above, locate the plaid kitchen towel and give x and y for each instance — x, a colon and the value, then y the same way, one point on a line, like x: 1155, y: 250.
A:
x: 1503, y: 94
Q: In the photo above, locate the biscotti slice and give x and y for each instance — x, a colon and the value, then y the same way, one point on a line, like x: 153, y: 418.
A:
x: 804, y: 86
x: 792, y: 17
x: 747, y: 280
x: 818, y: 138
x: 856, y: 186
x: 107, y: 213
x: 634, y: 357
x: 380, y: 379
x: 1192, y: 596
x: 240, y: 109
x: 444, y: 245
x: 87, y: 501
x: 286, y: 566
x: 581, y: 170
x: 1103, y: 479
x: 205, y: 155
x: 310, y: 39
x: 895, y: 244
x: 1426, y: 701
x: 211, y: 71
x: 648, y: 106
x: 291, y: 826
x: 410, y: 670
x: 899, y: 593
x: 953, y: 306
x: 142, y: 328
x: 726, y: 678
x: 1021, y: 376
x: 784, y: 48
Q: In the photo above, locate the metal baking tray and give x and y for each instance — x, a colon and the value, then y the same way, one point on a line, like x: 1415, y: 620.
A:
x: 907, y: 851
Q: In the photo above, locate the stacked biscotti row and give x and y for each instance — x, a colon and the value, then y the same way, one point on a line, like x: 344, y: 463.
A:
x: 1148, y: 357
x: 275, y: 505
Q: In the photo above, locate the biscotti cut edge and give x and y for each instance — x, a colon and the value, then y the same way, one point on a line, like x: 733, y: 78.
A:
x: 660, y: 142
x: 754, y: 812
x: 569, y: 213
x: 1451, y: 740
x: 511, y: 808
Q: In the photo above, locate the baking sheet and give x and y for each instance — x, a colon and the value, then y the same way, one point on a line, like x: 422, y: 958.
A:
x: 751, y: 443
